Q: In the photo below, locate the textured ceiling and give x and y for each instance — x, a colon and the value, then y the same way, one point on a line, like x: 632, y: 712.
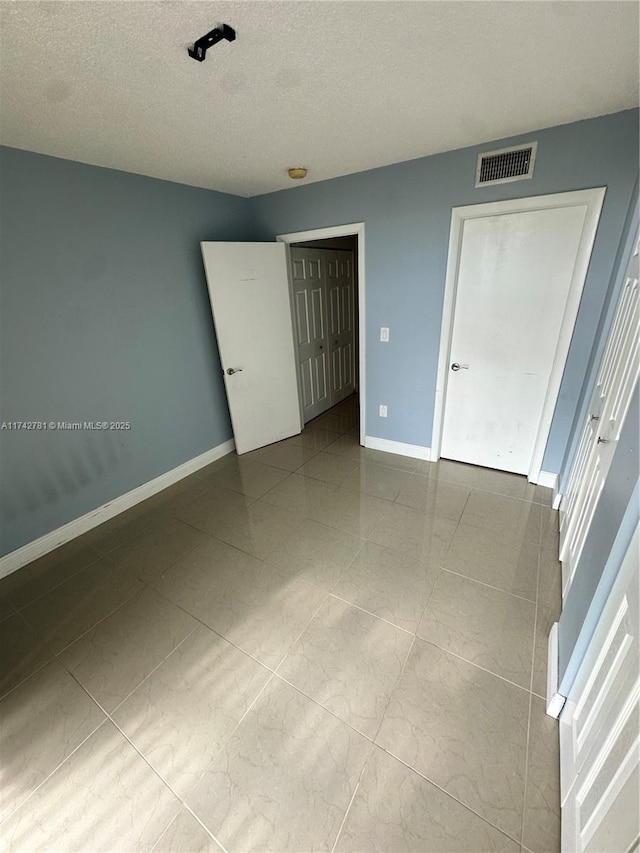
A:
x: 335, y: 86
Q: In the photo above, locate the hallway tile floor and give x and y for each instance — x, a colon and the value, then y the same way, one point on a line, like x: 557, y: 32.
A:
x: 311, y: 647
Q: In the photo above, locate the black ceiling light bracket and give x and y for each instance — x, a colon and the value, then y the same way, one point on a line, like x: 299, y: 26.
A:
x: 200, y: 48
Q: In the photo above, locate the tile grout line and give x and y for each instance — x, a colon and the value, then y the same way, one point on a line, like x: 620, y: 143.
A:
x: 95, y: 624
x: 319, y: 704
x: 46, y: 648
x: 489, y: 585
x: 226, y: 639
x: 342, y: 529
x: 155, y: 668
x: 313, y: 616
x: 192, y: 526
x: 189, y: 550
x: 55, y: 586
x: 535, y: 627
x: 448, y: 794
x: 526, y: 770
x: 358, y: 458
x: 129, y: 598
x: 158, y: 509
x: 108, y: 717
x: 230, y: 735
x: 395, y: 685
x: 108, y: 556
x: 13, y: 611
x: 369, y: 613
x: 180, y: 800
x: 141, y: 514
x: 217, y: 537
x: 47, y: 644
x: 471, y: 663
x: 235, y: 526
x: 372, y: 743
x: 440, y: 568
x: 329, y: 711
x: 415, y: 633
x: 164, y: 831
x: 526, y: 761
x: 152, y: 671
x: 152, y: 768
x: 204, y: 826
x: 6, y: 818
x: 503, y: 536
x: 473, y: 488
x: 274, y: 671
x: 214, y: 631
x: 300, y: 476
x: 353, y: 796
x: 145, y: 585
x: 414, y: 769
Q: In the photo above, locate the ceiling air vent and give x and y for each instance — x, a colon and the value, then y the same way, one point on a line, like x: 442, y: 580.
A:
x: 508, y: 164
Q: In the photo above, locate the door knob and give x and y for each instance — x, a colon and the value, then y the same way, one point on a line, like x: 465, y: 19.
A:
x: 594, y: 418
x: 232, y: 370
x: 602, y: 440
x: 456, y: 366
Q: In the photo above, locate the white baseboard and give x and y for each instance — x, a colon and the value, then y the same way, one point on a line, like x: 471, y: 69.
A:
x: 547, y: 479
x: 555, y: 700
x: 39, y: 547
x: 557, y: 499
x: 417, y: 451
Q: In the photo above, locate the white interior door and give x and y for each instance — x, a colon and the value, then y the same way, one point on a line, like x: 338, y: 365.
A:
x: 310, y: 315
x: 341, y: 299
x: 600, y: 728
x: 514, y: 276
x: 249, y: 292
x: 600, y: 433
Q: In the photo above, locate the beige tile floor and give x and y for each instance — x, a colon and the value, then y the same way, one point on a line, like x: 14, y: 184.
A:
x: 312, y: 647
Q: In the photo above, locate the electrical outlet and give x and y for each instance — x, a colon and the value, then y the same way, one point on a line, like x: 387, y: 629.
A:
x: 382, y: 410
x: 384, y: 334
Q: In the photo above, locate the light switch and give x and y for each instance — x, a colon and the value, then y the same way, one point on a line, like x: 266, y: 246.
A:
x: 382, y: 410
x: 384, y: 334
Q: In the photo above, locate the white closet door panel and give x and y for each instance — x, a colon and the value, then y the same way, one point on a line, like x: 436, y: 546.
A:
x: 611, y: 397
x: 310, y: 299
x: 600, y: 727
x: 342, y: 336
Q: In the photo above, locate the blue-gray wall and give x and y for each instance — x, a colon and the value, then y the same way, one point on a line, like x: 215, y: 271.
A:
x: 407, y: 212
x: 105, y: 316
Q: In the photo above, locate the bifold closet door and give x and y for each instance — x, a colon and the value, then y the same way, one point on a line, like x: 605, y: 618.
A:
x: 310, y: 320
x: 610, y: 401
x: 323, y: 286
x: 341, y: 299
x: 599, y: 728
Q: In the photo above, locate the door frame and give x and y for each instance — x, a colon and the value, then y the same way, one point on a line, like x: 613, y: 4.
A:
x: 354, y: 229
x: 594, y: 199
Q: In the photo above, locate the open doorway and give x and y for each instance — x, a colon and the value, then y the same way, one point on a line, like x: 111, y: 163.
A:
x: 327, y: 287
